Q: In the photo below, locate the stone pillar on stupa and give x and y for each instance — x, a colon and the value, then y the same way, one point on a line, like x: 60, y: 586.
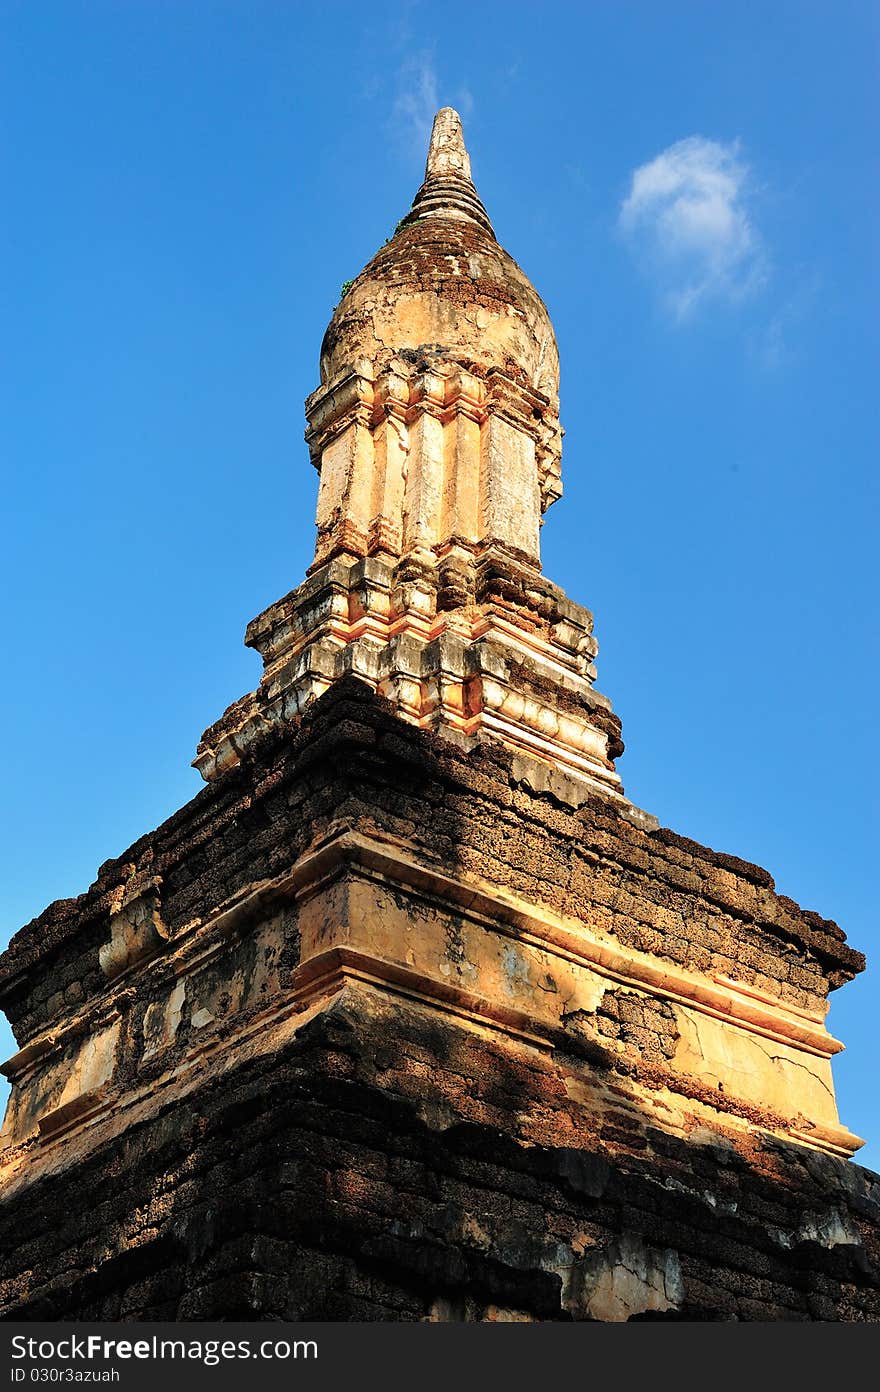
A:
x: 435, y: 431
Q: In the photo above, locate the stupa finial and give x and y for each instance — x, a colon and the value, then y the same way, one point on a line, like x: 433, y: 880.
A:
x: 447, y: 153
x: 448, y: 190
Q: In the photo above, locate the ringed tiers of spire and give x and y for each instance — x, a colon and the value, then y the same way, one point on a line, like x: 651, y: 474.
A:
x: 448, y: 190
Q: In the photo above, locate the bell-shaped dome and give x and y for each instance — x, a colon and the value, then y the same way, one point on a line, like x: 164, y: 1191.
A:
x: 442, y: 287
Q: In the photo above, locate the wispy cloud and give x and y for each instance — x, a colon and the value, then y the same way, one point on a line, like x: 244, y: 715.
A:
x: 418, y: 99
x: 688, y: 219
x: 776, y: 345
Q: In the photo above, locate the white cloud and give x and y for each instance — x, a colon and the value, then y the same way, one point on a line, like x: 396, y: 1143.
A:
x: 416, y: 103
x: 688, y: 220
x: 778, y: 344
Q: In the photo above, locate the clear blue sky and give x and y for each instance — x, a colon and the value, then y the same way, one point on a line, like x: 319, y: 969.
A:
x: 692, y: 188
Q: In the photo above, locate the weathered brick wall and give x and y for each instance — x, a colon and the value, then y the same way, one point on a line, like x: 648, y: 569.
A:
x: 660, y: 892
x: 392, y: 1164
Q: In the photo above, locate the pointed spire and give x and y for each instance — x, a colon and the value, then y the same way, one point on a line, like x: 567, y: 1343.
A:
x: 447, y: 153
x: 448, y: 190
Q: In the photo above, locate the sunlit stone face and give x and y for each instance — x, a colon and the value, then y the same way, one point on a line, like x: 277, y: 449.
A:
x: 444, y: 289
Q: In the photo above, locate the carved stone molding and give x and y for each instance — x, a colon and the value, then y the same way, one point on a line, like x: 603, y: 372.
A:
x: 137, y: 931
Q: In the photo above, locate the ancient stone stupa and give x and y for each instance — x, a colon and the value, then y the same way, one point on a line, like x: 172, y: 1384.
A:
x: 411, y: 1014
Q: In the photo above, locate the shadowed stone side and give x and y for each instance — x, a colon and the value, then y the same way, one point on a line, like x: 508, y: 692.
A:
x: 387, y: 1165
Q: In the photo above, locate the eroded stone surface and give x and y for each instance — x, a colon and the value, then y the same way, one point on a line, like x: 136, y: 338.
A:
x: 340, y: 1200
x: 451, y: 871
